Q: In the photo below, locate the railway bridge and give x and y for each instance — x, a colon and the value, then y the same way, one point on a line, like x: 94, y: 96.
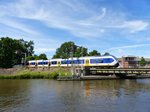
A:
x: 90, y: 73
x: 115, y: 72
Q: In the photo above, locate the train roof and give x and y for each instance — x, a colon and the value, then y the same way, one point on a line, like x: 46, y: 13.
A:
x: 86, y: 57
x: 32, y: 60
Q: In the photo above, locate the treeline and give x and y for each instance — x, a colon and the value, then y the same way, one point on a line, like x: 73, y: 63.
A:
x: 69, y: 49
x: 36, y: 57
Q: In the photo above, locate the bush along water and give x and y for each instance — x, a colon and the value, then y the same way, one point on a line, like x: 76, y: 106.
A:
x: 26, y: 74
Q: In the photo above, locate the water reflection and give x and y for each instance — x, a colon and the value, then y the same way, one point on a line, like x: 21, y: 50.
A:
x: 12, y: 93
x: 87, y: 90
x: 55, y: 96
x: 102, y: 88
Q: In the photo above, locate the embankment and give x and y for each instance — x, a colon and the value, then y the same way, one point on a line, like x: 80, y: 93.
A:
x: 40, y: 73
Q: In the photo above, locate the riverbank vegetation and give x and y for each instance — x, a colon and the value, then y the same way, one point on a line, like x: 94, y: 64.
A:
x: 36, y: 74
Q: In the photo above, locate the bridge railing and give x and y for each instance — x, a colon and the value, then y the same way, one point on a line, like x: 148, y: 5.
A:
x: 119, y: 71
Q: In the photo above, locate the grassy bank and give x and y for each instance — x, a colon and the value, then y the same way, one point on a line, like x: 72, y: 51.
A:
x: 36, y: 74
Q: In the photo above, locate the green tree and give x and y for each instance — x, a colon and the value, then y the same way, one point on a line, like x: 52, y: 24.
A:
x: 94, y: 53
x: 28, y: 47
x: 84, y: 51
x: 7, y: 52
x: 106, y: 54
x: 36, y: 57
x: 30, y: 58
x: 12, y: 51
x: 80, y: 51
x: 43, y: 56
x: 65, y: 50
x: 23, y: 48
x: 142, y: 62
x: 68, y: 49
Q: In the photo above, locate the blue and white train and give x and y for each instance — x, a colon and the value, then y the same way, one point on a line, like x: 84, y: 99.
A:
x: 99, y: 61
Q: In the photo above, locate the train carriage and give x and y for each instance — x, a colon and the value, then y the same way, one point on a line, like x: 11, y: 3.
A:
x: 100, y: 61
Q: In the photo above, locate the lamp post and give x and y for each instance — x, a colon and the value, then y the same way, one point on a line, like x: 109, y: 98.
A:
x: 72, y: 67
x: 25, y: 55
x: 82, y: 62
x: 79, y: 58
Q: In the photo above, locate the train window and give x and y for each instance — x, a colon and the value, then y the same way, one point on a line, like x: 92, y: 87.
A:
x: 40, y: 63
x: 45, y: 63
x: 111, y: 60
x: 92, y: 60
x: 76, y: 61
x: 54, y: 62
x: 108, y: 60
x: 69, y: 62
x: 63, y: 62
x: 99, y: 61
x: 72, y: 62
x: 81, y: 61
x: 96, y: 60
x: 66, y: 62
x: 32, y: 63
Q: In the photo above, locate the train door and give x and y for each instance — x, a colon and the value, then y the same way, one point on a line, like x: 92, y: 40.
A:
x: 58, y: 63
x: 49, y: 64
x: 87, y: 62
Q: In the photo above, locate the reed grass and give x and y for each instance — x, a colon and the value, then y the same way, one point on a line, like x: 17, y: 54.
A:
x: 27, y: 74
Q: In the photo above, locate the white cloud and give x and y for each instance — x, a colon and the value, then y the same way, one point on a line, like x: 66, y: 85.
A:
x: 43, y: 50
x: 135, y: 26
x: 17, y: 25
x: 73, y: 16
x: 127, y: 47
x: 136, y: 50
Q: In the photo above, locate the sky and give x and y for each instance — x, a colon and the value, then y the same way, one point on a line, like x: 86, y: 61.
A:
x: 120, y: 27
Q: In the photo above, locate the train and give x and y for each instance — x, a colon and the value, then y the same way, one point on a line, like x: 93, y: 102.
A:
x: 92, y: 61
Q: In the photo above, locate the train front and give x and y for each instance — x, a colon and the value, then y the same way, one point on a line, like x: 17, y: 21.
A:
x: 115, y: 62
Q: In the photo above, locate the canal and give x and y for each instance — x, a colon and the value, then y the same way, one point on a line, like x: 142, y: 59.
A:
x: 75, y: 96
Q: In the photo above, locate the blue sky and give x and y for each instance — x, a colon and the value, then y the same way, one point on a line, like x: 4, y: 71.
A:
x: 120, y: 27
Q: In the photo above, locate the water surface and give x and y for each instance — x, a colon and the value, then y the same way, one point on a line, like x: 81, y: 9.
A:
x: 75, y: 96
